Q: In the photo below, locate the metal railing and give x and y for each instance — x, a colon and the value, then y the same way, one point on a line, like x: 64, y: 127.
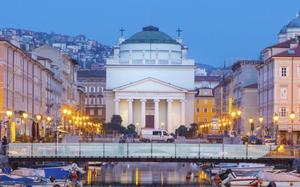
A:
x: 138, y: 150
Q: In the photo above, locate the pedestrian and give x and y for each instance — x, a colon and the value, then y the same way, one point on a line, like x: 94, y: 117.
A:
x: 4, y: 145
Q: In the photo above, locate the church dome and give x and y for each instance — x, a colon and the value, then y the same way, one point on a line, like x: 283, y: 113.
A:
x: 295, y: 23
x: 150, y: 34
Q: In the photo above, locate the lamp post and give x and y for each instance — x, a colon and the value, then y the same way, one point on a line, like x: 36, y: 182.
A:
x: 65, y: 112
x: 25, y: 116
x: 251, y: 125
x: 9, y: 114
x: 69, y: 123
x: 275, y: 119
x: 239, y: 113
x: 38, y: 118
x: 292, y: 117
x: 261, y: 120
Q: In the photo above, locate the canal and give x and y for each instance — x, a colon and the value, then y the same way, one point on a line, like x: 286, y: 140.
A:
x: 154, y: 174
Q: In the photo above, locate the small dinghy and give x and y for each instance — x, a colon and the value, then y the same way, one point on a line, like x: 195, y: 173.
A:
x: 229, y: 178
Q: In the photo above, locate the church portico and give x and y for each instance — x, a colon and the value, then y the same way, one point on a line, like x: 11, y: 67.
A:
x: 149, y: 112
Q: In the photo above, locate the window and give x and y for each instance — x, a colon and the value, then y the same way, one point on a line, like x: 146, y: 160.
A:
x: 197, y: 109
x: 156, y: 133
x: 283, y: 71
x: 283, y: 93
x: 165, y: 133
x: 204, y: 110
x: 91, y: 112
x: 92, y: 89
x: 283, y: 112
x: 298, y: 71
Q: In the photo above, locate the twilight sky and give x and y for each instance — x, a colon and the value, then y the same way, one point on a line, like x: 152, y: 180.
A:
x: 214, y: 30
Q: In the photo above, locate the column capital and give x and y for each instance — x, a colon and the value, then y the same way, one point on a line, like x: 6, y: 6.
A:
x: 169, y: 100
x: 182, y: 100
x: 130, y: 100
x: 156, y: 100
x: 143, y: 100
x: 116, y: 100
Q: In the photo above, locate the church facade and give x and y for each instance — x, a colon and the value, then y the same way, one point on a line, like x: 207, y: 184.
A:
x: 150, y: 81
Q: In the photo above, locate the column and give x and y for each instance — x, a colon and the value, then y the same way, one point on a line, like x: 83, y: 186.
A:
x: 130, y: 113
x: 117, y: 106
x: 143, y: 113
x: 156, y: 114
x: 169, y: 115
x: 182, y: 110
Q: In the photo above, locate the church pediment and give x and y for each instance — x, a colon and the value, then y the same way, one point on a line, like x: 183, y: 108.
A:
x: 150, y: 85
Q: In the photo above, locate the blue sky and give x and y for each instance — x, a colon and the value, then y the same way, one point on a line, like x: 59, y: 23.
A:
x: 214, y: 30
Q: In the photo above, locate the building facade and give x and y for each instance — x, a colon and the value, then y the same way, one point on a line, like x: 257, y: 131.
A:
x: 279, y: 93
x: 93, y: 83
x: 66, y: 71
x: 245, y: 77
x: 204, y: 106
x: 150, y: 81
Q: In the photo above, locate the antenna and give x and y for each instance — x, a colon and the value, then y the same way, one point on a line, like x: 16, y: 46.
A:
x: 179, y: 32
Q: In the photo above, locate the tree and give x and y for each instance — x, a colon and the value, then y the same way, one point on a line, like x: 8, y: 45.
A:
x: 114, y: 125
x: 131, y: 130
x: 182, y: 131
x: 116, y: 119
x: 193, y: 130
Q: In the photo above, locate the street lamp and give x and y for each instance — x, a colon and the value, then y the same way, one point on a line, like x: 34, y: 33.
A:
x: 239, y: 113
x: 251, y: 125
x: 9, y: 114
x: 49, y: 119
x: 275, y: 119
x: 25, y: 116
x: 38, y: 118
x: 65, y: 111
x: 261, y: 120
x: 292, y: 117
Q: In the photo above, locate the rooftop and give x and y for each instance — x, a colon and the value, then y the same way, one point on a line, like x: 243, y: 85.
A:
x: 207, y: 78
x: 150, y: 34
x: 255, y: 85
x: 294, y: 23
x: 91, y: 73
x: 294, y: 52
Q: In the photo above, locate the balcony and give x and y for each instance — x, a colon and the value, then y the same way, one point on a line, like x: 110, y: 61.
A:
x: 285, y: 127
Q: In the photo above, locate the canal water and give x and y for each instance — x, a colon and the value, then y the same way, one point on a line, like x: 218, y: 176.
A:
x: 154, y: 174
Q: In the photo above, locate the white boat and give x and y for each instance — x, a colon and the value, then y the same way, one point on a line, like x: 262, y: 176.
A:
x: 242, y: 167
x: 229, y: 178
x: 280, y: 178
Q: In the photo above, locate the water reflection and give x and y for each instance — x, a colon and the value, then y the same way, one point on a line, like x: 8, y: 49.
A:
x: 147, y: 173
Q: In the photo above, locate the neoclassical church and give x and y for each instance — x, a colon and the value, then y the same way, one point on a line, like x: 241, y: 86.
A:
x: 150, y: 81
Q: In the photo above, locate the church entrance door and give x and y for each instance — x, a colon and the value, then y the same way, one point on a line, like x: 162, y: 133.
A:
x: 150, y: 121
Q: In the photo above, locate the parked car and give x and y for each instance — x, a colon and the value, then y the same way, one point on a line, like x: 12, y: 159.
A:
x: 155, y: 135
